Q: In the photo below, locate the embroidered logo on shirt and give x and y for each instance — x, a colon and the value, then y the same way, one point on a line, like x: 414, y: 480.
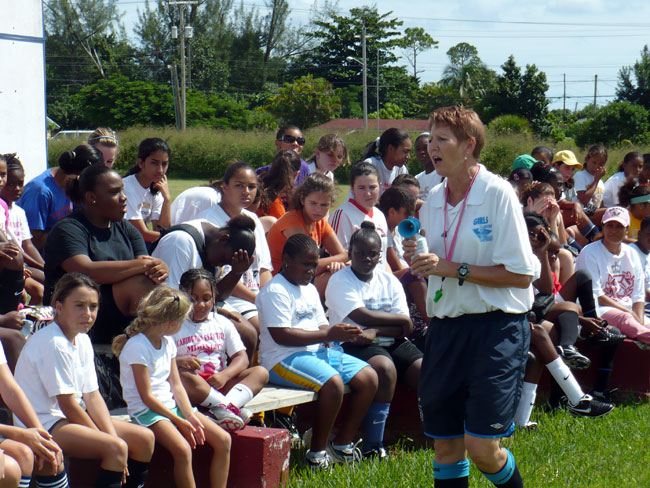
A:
x: 482, y: 229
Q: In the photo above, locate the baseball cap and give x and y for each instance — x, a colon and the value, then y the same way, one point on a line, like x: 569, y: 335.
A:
x: 523, y: 161
x: 619, y: 214
x: 567, y: 157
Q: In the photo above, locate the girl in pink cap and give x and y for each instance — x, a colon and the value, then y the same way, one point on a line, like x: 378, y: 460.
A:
x: 617, y: 276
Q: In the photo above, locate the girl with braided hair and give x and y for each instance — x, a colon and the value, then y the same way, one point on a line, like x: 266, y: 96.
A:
x: 153, y: 391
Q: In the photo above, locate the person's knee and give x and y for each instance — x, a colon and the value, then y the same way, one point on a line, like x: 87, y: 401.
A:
x: 485, y: 453
x: 12, y: 472
x: 220, y: 440
x: 23, y: 455
x: 181, y: 451
x: 386, y: 372
x: 146, y: 441
x: 365, y: 380
x: 333, y: 388
x: 261, y: 374
x: 115, y: 449
x: 449, y: 451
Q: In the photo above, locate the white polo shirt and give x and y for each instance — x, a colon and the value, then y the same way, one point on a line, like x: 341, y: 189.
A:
x: 492, y: 232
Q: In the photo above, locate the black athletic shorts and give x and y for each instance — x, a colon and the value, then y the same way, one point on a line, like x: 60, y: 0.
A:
x: 402, y: 352
x: 472, y: 374
x: 12, y: 283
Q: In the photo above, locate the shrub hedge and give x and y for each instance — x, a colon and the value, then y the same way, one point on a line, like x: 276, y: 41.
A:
x: 205, y: 153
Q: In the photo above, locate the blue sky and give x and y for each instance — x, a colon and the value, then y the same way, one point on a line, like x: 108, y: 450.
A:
x: 579, y: 38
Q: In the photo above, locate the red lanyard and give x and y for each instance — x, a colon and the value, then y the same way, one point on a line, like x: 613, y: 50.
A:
x: 452, y: 246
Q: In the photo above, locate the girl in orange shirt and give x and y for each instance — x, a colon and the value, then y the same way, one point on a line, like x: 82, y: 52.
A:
x: 277, y: 184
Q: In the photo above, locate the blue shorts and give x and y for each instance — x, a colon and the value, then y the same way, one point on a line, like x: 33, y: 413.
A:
x: 311, y: 371
x: 472, y: 373
x: 148, y: 417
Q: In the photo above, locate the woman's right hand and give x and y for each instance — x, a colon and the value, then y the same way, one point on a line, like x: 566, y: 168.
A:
x: 343, y: 332
x: 189, y: 431
x: 43, y: 446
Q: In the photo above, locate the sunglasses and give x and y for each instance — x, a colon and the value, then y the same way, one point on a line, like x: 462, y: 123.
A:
x: 291, y: 139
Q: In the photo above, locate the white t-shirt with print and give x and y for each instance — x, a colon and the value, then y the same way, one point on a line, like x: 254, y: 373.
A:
x: 386, y: 176
x: 492, y: 232
x: 618, y: 276
x: 139, y: 350
x: 346, y: 293
x: 611, y: 188
x: 312, y: 169
x: 212, y: 342
x: 347, y: 219
x: 427, y: 182
x: 251, y: 278
x: 190, y: 203
x: 17, y: 224
x: 51, y: 365
x: 283, y: 304
x: 141, y: 204
x: 582, y: 180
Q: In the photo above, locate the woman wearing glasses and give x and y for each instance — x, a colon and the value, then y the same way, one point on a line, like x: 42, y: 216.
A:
x: 289, y: 137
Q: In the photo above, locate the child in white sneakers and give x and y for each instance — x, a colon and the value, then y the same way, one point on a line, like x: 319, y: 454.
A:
x: 153, y: 391
x: 205, y: 343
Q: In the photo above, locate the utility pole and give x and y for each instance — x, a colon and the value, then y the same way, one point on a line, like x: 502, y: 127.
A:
x: 595, y: 90
x: 378, y: 88
x: 365, y: 78
x: 182, y: 99
x: 172, y: 69
x: 564, y: 102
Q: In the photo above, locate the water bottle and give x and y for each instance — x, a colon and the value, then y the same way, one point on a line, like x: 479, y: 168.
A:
x: 411, y: 227
x: 335, y: 359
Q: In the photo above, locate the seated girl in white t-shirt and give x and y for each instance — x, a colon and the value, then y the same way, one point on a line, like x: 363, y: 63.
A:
x: 56, y: 370
x: 331, y: 152
x: 293, y: 328
x: 364, y: 294
x: 204, y: 344
x: 153, y: 391
x: 148, y: 200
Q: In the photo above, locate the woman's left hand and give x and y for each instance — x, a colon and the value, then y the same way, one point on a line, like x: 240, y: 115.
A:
x: 424, y: 265
x: 240, y: 261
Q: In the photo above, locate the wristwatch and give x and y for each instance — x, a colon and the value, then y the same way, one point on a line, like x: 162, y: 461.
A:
x: 462, y: 272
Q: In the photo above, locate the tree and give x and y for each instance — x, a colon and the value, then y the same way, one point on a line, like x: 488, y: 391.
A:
x: 466, y: 74
x: 517, y: 93
x: 85, y: 25
x: 416, y: 40
x: 306, y: 102
x: 612, y: 124
x: 637, y: 90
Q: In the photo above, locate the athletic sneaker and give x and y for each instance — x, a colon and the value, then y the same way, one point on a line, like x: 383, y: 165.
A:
x: 349, y: 454
x: 604, y: 396
x: 379, y: 454
x: 318, y: 462
x: 287, y: 422
x: 227, y: 417
x: 588, y: 406
x: 530, y: 425
x: 573, y: 358
x: 245, y: 414
x: 604, y: 335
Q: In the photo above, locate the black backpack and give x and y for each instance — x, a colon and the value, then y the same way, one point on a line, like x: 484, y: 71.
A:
x: 199, y: 242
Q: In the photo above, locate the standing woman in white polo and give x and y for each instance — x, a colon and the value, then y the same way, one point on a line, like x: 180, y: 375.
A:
x: 479, y: 266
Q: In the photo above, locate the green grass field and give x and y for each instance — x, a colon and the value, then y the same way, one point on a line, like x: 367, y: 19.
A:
x: 566, y: 452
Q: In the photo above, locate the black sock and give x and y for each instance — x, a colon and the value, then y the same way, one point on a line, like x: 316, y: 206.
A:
x: 138, y: 472
x: 58, y: 481
x: 108, y: 479
x: 585, y: 293
x: 515, y: 481
x: 569, y: 325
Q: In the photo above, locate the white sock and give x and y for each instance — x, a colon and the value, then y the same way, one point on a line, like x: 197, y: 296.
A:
x: 214, y: 398
x: 239, y: 395
x: 566, y: 380
x: 526, y: 403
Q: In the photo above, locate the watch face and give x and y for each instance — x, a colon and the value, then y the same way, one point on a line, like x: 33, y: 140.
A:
x: 463, y: 270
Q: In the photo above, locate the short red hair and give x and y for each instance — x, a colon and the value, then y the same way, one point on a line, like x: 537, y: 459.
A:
x: 464, y: 123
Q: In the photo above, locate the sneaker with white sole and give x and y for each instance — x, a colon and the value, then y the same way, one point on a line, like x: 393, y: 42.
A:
x: 588, y: 406
x: 245, y: 414
x: 573, y: 358
x: 318, y: 461
x: 227, y: 417
x: 347, y: 454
